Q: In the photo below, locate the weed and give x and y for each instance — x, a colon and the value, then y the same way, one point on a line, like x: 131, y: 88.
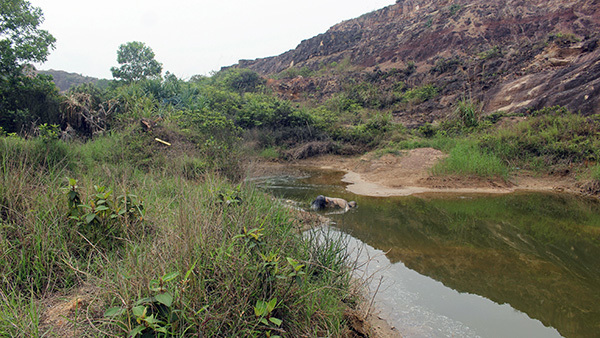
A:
x: 491, y: 53
x: 467, y: 113
x: 419, y: 94
x: 467, y: 159
x: 454, y: 9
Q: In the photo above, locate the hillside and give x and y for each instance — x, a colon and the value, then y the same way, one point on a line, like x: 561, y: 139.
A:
x: 65, y: 80
x: 513, y: 56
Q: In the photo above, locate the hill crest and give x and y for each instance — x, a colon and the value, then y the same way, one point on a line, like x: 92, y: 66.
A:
x: 511, y: 55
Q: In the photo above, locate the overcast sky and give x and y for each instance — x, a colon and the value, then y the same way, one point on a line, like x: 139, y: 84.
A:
x: 188, y: 37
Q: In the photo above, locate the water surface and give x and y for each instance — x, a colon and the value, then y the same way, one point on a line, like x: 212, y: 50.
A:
x: 515, y: 265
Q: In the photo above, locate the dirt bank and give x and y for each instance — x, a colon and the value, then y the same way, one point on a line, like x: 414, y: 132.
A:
x: 410, y: 173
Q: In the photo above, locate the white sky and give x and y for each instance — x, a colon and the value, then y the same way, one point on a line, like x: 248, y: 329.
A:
x: 188, y: 37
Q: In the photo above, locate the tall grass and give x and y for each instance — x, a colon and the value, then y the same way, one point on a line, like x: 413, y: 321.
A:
x: 550, y: 137
x: 468, y: 159
x: 219, y: 249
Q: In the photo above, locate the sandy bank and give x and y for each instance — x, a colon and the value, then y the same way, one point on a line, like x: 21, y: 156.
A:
x: 410, y: 173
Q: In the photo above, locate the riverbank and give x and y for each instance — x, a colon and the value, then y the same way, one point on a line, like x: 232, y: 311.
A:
x: 410, y: 173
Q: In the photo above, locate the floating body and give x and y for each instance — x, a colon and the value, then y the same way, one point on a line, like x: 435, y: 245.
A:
x: 324, y: 202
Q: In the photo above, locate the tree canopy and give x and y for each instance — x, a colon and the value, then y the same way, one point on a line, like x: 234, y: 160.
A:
x: 21, y: 41
x: 137, y: 62
x: 24, y: 99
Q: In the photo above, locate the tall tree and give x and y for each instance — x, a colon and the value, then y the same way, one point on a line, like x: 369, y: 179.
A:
x: 24, y: 99
x: 21, y: 40
x: 137, y: 62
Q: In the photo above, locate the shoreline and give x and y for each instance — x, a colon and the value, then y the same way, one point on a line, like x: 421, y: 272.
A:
x: 410, y: 174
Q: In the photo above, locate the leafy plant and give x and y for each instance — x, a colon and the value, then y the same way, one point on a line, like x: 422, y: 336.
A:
x: 297, y: 270
x: 252, y: 237
x: 264, y: 311
x: 420, y: 94
x: 49, y: 132
x: 102, y: 219
x: 491, y: 53
x: 154, y: 314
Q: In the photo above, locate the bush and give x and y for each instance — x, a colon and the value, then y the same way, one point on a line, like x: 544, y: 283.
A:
x: 420, y: 94
x: 240, y: 80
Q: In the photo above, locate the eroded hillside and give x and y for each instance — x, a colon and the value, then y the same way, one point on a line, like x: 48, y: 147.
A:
x: 510, y: 56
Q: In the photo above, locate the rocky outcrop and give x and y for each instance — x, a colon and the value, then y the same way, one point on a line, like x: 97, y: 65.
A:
x: 510, y: 55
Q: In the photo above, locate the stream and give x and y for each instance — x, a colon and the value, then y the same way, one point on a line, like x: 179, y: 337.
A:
x: 458, y: 265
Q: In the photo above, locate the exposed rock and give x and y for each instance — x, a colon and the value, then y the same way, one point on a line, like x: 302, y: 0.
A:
x: 514, y: 55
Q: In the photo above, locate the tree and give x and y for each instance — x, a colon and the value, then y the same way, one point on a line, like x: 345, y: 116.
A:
x: 21, y: 41
x: 26, y: 99
x: 137, y: 62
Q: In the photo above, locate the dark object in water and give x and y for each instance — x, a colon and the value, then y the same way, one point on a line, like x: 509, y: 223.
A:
x: 324, y: 202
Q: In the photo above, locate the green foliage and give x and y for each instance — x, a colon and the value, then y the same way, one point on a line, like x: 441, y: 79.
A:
x: 137, y: 63
x: 595, y: 172
x: 49, y: 133
x: 454, y: 9
x: 468, y: 159
x: 294, y: 72
x: 419, y: 94
x: 261, y: 110
x: 551, y: 136
x: 491, y: 53
x: 429, y: 22
x: 25, y: 101
x: 104, y: 219
x: 367, y: 95
x: 21, y: 40
x: 155, y: 314
x: 467, y: 113
x: 240, y: 80
x: 563, y: 39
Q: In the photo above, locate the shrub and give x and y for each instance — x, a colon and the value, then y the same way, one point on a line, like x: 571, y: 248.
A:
x: 420, y: 94
x: 240, y: 80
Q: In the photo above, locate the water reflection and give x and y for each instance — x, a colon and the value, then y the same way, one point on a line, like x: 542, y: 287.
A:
x: 539, y: 253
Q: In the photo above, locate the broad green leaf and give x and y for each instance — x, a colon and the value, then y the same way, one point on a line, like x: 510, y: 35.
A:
x: 139, y: 311
x: 170, y: 276
x: 260, y: 309
x: 276, y: 321
x: 136, y: 331
x: 101, y: 208
x: 164, y: 298
x: 161, y: 329
x: 271, y: 305
x: 264, y: 321
x: 113, y: 311
x: 90, y: 217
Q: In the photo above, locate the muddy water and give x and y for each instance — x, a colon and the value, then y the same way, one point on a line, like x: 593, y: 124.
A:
x: 516, y: 265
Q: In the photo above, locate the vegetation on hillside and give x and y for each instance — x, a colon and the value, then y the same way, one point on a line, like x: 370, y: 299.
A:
x: 132, y: 199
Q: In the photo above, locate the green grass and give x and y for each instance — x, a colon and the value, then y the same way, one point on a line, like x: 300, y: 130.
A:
x: 216, y: 247
x: 551, y: 137
x: 467, y: 159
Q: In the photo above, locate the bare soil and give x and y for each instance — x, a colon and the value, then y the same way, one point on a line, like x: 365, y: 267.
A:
x: 410, y: 173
